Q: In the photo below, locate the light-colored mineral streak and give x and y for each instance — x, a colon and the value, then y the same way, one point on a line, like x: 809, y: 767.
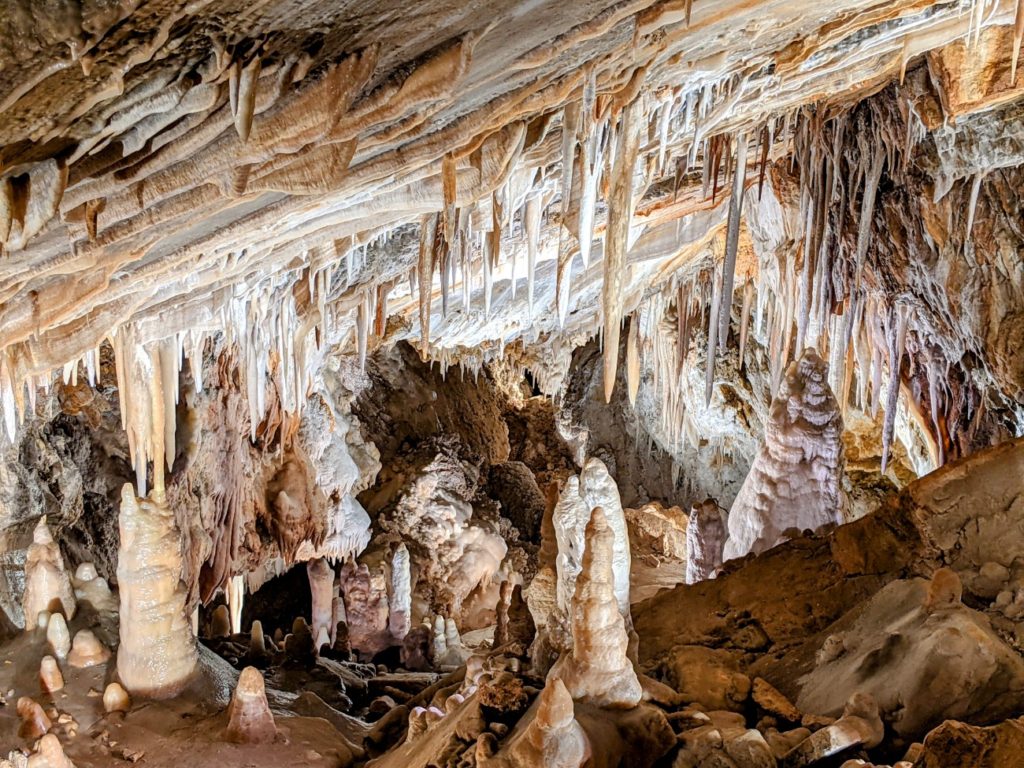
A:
x: 157, y: 654
x: 598, y: 670
x: 794, y: 483
x: 47, y: 584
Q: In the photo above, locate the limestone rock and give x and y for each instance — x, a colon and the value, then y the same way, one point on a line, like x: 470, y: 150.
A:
x: 967, y: 746
x: 860, y: 726
x: 658, y: 549
x: 928, y: 665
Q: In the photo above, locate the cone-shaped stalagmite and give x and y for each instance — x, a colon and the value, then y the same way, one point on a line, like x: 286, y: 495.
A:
x: 552, y: 739
x: 249, y: 717
x: 795, y: 480
x: 598, y: 671
x: 47, y: 584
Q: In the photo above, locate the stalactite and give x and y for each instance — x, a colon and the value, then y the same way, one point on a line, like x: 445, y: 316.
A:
x: 620, y: 212
x: 633, y: 359
x: 972, y: 203
x: 897, y: 343
x: 709, y: 377
x: 748, y: 294
x: 424, y: 275
x: 531, y: 223
x: 732, y: 239
x: 867, y: 209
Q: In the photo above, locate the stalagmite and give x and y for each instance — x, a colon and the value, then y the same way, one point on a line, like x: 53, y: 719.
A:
x: 400, y: 600
x: 87, y: 650
x: 49, y: 754
x: 795, y: 480
x: 620, y: 213
x: 553, y: 738
x: 157, y: 653
x: 47, y: 584
x: 220, y: 622
x: 598, y: 670
x: 705, y: 538
x: 1018, y: 35
x: 116, y: 699
x: 236, y: 598
x: 598, y: 489
x: 257, y: 642
x: 321, y: 588
x: 50, y: 677
x: 34, y: 722
x: 249, y: 717
x: 58, y: 636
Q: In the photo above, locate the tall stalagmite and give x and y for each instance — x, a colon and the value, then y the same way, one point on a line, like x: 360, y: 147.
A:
x: 157, y: 654
x: 598, y: 670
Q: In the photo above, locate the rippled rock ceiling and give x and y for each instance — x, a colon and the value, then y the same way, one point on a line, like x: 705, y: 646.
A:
x: 369, y: 284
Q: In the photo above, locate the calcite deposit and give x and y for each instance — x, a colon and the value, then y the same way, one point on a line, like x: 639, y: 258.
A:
x: 157, y: 652
x: 610, y: 383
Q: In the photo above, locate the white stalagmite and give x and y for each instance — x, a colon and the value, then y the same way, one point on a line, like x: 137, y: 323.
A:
x: 795, y: 480
x: 598, y: 670
x: 321, y: 588
x: 157, y: 654
x: 598, y: 489
x: 568, y: 519
x: 400, y: 600
x: 47, y: 584
x: 236, y: 598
